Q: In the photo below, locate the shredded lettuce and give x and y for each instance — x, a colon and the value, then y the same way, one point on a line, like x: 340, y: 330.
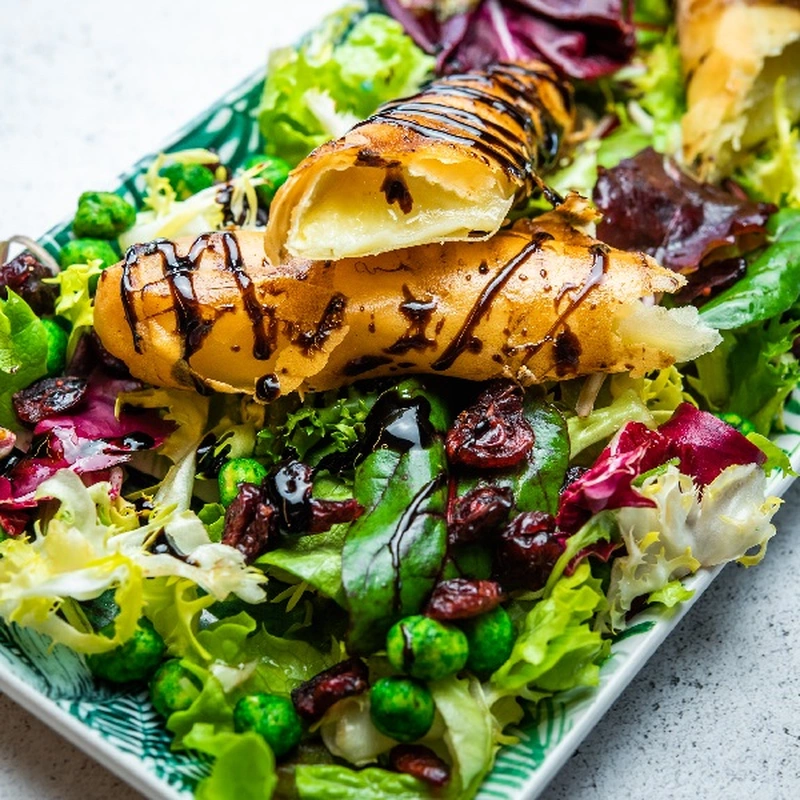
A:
x: 338, y: 75
x: 23, y: 353
x: 164, y: 216
x: 93, y: 544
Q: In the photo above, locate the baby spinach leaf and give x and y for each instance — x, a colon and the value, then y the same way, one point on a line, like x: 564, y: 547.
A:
x: 393, y: 553
x: 772, y: 282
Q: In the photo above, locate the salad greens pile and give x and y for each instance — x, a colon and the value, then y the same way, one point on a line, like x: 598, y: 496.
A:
x: 113, y: 521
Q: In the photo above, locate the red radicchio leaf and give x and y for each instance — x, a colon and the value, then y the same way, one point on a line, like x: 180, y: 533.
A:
x: 649, y: 204
x: 703, y: 444
x: 581, y: 38
x: 90, y: 442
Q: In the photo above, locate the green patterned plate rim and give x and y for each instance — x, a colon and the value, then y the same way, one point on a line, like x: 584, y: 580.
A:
x: 121, y: 730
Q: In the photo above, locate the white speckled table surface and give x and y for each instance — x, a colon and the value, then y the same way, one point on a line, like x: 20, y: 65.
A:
x: 87, y: 88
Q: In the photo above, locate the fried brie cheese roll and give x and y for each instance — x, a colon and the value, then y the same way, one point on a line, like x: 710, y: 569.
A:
x: 541, y: 302
x: 733, y: 54
x: 444, y: 165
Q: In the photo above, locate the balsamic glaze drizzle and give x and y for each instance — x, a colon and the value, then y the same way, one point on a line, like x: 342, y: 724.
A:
x: 463, y: 339
x: 191, y: 324
x: 511, y: 91
x: 599, y: 252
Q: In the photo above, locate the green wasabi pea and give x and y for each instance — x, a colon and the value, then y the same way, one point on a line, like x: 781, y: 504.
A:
x: 491, y: 639
x: 187, y: 179
x: 272, y: 717
x: 401, y: 708
x: 134, y: 660
x: 426, y: 648
x: 235, y: 472
x: 102, y: 215
x: 173, y: 688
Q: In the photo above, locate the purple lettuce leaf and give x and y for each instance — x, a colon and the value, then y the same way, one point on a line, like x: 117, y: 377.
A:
x: 89, y: 439
x: 649, y: 204
x: 702, y: 444
x: 584, y: 39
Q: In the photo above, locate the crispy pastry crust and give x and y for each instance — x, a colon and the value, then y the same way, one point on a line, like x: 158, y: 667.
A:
x: 543, y: 301
x: 733, y: 52
x: 444, y: 165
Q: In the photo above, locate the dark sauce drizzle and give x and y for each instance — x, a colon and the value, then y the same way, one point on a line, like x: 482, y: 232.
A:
x: 418, y: 313
x: 191, y: 325
x: 512, y: 92
x: 464, y: 339
x: 332, y: 319
x: 262, y: 319
x: 599, y: 252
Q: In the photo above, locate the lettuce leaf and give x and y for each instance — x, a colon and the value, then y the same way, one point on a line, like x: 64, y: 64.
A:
x: 335, y: 78
x: 94, y: 543
x: 556, y: 649
x: 332, y: 782
x: 468, y: 735
x: 75, y: 302
x: 603, y: 422
x: 244, y: 769
x: 23, y: 353
x: 682, y: 531
x: 647, y: 102
x: 751, y: 374
x: 771, y: 284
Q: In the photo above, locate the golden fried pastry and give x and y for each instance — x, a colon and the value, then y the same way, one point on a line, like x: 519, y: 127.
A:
x: 543, y: 301
x: 444, y: 165
x: 733, y: 53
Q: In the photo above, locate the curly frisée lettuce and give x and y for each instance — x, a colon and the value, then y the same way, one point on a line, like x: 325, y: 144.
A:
x: 339, y: 75
x: 92, y: 544
x: 167, y: 217
x: 685, y: 530
x: 556, y: 648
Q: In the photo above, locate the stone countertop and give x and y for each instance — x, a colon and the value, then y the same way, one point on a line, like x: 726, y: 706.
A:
x: 85, y: 90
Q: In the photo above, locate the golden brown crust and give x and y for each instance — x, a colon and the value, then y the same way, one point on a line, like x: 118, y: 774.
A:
x: 537, y: 303
x: 733, y: 52
x: 422, y: 168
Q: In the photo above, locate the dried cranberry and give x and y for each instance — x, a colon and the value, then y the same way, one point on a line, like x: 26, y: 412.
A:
x: 326, y: 513
x: 527, y: 551
x: 48, y: 397
x: 420, y: 762
x: 478, y: 512
x: 23, y: 275
x: 492, y: 433
x: 461, y: 598
x: 345, y: 679
x: 250, y: 524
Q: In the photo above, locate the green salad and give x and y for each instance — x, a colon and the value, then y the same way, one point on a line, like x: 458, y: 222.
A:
x: 362, y: 591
